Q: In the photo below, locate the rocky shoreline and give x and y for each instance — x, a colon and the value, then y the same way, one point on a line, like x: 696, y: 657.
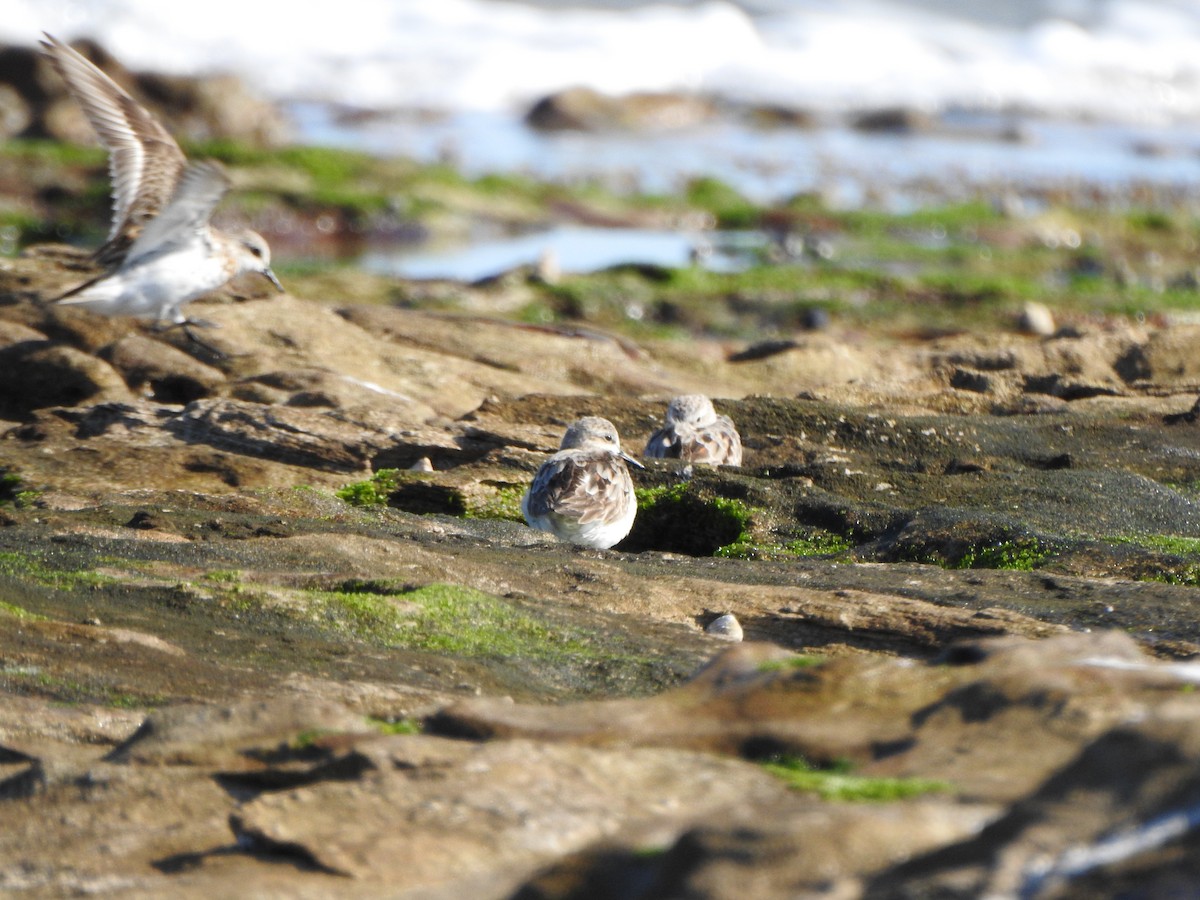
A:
x: 271, y: 624
x: 245, y: 645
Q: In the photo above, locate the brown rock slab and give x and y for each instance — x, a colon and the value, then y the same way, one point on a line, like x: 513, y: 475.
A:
x: 105, y: 828
x: 511, y: 358
x: 215, y: 107
x: 584, y: 109
x: 198, y: 108
x: 775, y: 849
x: 1123, y: 811
x: 160, y: 371
x: 445, y: 817
x: 960, y: 722
x: 1168, y: 357
x: 898, y: 120
x: 974, y: 735
x: 750, y: 700
x: 41, y: 374
x: 17, y: 333
x: 26, y: 722
x: 291, y: 435
x: 15, y: 114
x: 223, y: 735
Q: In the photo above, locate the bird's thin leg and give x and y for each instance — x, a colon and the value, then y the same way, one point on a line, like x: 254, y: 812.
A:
x: 187, y: 325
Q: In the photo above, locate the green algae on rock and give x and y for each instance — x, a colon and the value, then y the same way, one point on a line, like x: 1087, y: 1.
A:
x: 18, y: 612
x: 372, y: 492
x: 838, y: 782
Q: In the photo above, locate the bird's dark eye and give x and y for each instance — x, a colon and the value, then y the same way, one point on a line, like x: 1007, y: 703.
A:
x: 255, y: 250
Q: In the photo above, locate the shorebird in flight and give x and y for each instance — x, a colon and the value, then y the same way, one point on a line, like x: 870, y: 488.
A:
x: 162, y: 251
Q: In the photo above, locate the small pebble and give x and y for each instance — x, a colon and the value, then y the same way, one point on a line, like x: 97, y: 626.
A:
x: 1036, y: 318
x: 726, y: 627
x: 422, y: 465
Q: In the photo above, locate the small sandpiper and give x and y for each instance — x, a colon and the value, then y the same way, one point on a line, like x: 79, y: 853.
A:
x: 583, y: 493
x: 161, y: 251
x: 695, y: 433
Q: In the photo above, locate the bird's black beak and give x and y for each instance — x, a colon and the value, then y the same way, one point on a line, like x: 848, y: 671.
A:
x: 270, y: 276
x: 629, y: 459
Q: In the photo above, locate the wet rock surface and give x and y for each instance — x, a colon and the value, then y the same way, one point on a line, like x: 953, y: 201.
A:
x: 583, y: 109
x: 270, y: 622
x: 35, y: 103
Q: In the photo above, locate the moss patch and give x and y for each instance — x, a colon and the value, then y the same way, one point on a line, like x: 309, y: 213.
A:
x: 28, y: 567
x: 800, y: 661
x: 424, y: 493
x: 396, y: 726
x: 13, y: 490
x: 729, y: 208
x: 496, y: 501
x: 1022, y: 555
x: 1167, y: 543
x: 816, y: 544
x: 19, y: 612
x: 1168, y: 558
x: 528, y: 643
x: 1187, y: 575
x: 372, y: 492
x: 65, y: 689
x: 446, y: 618
x: 838, y: 783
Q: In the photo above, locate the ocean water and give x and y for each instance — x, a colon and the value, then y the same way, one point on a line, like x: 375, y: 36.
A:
x: 1129, y: 60
x: 1027, y: 93
x: 572, y: 248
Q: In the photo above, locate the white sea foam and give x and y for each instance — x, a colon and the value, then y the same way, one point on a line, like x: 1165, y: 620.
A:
x: 1135, y: 60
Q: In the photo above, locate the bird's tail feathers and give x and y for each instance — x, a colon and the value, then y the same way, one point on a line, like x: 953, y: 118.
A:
x: 84, y: 293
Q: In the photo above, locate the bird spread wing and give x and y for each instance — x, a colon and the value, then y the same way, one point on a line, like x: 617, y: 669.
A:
x: 185, y: 218
x: 569, y: 486
x: 144, y: 161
